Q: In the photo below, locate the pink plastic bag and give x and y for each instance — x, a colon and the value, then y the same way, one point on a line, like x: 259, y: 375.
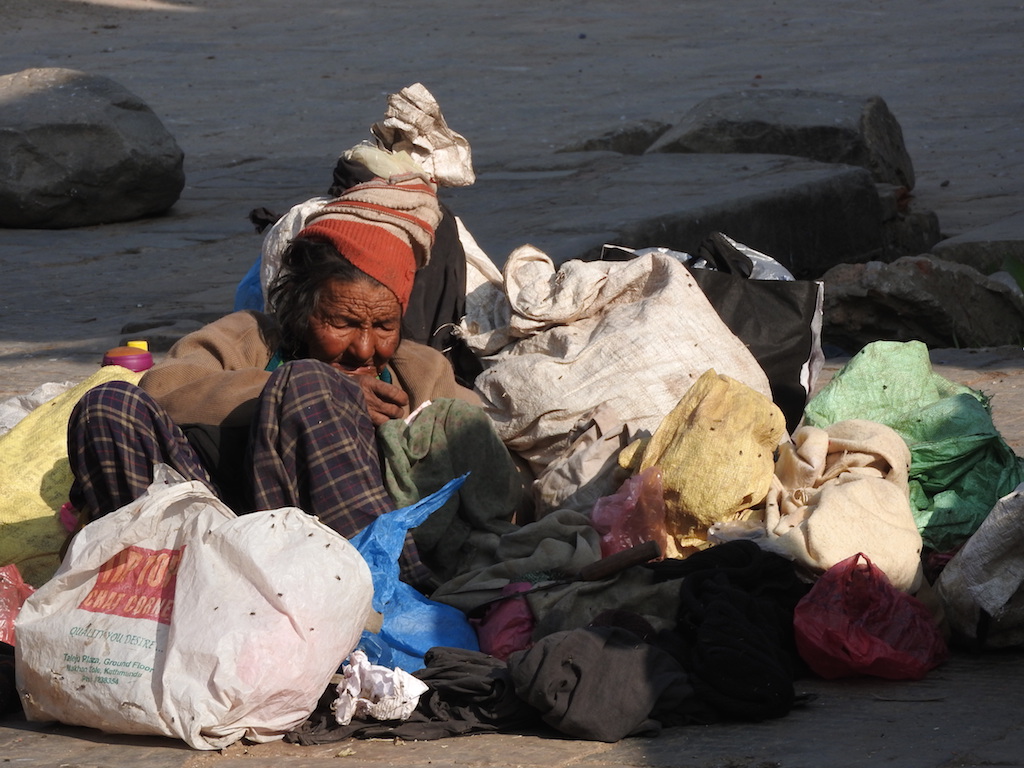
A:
x: 855, y: 622
x: 13, y: 592
x: 507, y: 625
x: 633, y: 515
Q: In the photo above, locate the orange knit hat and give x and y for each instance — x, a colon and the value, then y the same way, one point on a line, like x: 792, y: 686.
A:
x: 384, y: 227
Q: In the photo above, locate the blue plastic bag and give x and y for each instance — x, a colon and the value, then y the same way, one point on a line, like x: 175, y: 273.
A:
x: 412, y: 623
x: 249, y: 293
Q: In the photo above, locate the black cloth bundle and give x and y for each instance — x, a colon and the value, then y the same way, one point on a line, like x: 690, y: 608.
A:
x: 731, y: 656
x: 735, y: 628
x: 599, y: 683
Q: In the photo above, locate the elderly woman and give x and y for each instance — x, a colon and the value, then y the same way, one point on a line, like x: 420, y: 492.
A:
x: 280, y: 409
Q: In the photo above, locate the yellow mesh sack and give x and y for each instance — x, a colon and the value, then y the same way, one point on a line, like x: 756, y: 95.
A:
x: 35, y: 478
x: 716, y: 453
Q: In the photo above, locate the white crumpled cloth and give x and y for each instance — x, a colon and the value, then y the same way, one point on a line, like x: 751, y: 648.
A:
x: 370, y: 690
x: 413, y: 122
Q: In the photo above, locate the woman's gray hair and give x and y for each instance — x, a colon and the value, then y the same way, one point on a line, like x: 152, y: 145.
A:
x: 293, y: 297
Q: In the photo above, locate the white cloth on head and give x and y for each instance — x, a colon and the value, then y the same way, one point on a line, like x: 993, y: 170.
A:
x: 413, y: 123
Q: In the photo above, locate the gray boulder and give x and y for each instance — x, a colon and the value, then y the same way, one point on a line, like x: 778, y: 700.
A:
x: 809, y: 216
x: 828, y: 127
x: 78, y: 150
x: 939, y: 302
x: 988, y: 249
x: 905, y: 231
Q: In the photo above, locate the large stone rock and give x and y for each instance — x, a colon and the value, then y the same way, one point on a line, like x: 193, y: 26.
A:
x: 989, y: 248
x: 939, y: 302
x: 905, y: 231
x: 810, y: 216
x: 78, y: 150
x: 828, y: 127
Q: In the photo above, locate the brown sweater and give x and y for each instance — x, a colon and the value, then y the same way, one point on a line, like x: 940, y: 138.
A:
x: 215, y: 374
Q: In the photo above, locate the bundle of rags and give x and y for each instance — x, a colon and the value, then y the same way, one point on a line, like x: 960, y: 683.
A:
x: 842, y: 490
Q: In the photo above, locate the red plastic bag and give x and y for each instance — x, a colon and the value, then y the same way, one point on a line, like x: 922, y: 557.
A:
x: 633, y: 515
x: 13, y: 592
x: 855, y: 622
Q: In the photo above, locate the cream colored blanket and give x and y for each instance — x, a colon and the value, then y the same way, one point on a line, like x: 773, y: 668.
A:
x: 843, y: 490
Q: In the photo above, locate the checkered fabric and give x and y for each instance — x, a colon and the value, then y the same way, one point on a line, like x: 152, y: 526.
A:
x: 116, y: 434
x: 312, y: 446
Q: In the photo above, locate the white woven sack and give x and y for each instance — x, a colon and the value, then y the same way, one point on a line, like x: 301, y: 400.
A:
x: 484, y: 328
x: 987, y: 576
x: 172, y: 616
x: 633, y: 334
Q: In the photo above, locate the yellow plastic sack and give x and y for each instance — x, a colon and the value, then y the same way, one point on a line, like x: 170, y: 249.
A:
x: 35, y: 478
x: 716, y: 453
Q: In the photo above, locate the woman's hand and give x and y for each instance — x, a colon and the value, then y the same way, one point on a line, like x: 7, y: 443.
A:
x: 384, y: 401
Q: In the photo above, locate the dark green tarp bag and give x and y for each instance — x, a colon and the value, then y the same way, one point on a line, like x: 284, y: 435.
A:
x: 960, y: 465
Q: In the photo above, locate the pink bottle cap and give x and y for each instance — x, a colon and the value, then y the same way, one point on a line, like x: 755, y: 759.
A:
x: 132, y: 358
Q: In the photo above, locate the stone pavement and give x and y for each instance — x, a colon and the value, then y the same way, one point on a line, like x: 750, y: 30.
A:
x: 263, y: 96
x: 965, y: 713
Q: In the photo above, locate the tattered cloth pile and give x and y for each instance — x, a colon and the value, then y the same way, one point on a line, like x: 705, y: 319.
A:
x: 754, y: 516
x: 616, y: 350
x: 727, y: 653
x: 843, y: 489
x: 622, y: 368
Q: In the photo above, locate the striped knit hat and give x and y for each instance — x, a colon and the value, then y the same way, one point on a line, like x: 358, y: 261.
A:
x: 384, y: 227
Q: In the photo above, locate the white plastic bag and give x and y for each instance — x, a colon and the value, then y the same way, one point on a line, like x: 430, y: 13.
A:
x: 173, y: 616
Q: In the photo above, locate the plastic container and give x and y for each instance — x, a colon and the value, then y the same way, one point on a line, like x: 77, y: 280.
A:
x: 135, y: 356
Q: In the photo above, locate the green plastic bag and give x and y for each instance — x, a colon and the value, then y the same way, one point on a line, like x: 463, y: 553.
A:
x: 960, y: 464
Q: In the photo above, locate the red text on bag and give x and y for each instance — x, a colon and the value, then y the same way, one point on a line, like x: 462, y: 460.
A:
x: 136, y: 583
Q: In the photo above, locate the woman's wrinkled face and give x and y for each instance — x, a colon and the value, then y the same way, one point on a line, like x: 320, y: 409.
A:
x: 356, y: 327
